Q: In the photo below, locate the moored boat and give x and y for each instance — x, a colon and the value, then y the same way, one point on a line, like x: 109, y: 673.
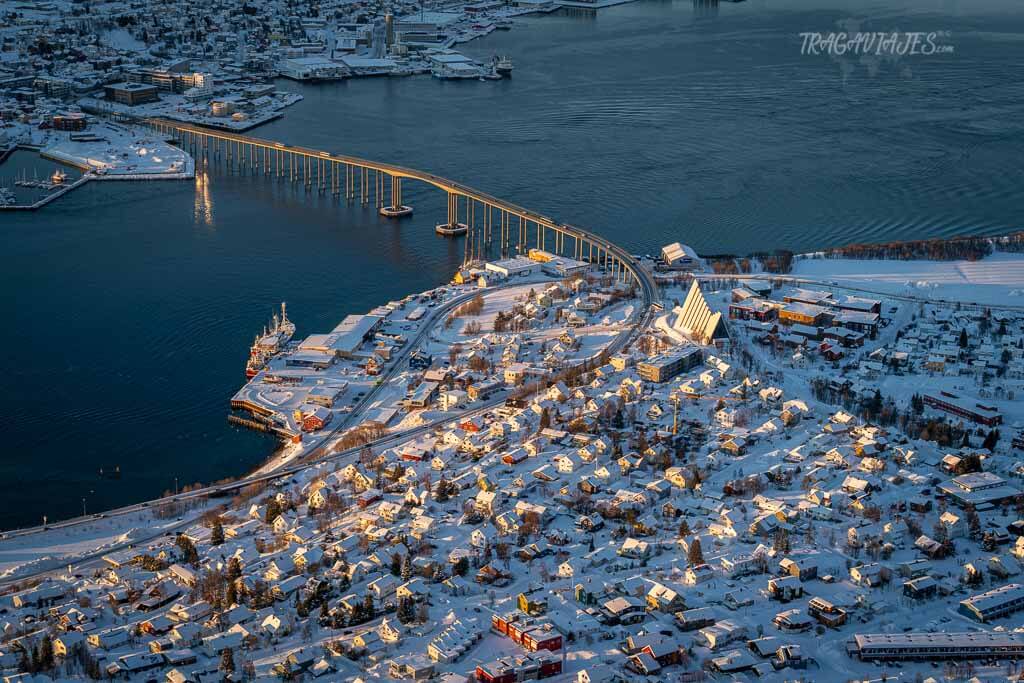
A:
x: 270, y: 342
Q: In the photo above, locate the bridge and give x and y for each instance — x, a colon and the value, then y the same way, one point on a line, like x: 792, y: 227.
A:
x: 491, y: 225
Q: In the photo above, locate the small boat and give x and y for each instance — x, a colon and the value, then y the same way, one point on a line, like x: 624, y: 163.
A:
x: 58, y: 177
x: 110, y: 472
x: 504, y: 66
x: 7, y: 197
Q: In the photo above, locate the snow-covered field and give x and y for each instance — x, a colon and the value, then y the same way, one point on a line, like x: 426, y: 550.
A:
x: 998, y: 279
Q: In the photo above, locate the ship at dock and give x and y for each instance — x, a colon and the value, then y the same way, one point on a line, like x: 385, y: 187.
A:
x: 273, y: 339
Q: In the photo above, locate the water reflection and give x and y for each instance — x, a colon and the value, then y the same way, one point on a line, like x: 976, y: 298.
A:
x: 203, y: 202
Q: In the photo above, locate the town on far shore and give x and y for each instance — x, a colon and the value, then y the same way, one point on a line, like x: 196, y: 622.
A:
x: 787, y: 468
x: 79, y: 77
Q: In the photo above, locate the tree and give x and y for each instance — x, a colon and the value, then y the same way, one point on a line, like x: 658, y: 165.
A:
x: 234, y: 569
x: 406, y: 611
x: 273, y: 511
x: 45, y: 653
x: 695, y: 555
x: 684, y: 529
x: 189, y: 554
x: 227, y: 661
x: 781, y: 541
x: 963, y: 338
x: 368, y: 608
x: 217, y: 533
x: 545, y: 419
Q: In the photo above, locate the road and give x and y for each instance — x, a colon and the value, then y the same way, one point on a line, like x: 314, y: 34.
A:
x: 840, y: 284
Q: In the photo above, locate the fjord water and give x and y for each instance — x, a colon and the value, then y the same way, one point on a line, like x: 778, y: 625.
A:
x: 129, y: 307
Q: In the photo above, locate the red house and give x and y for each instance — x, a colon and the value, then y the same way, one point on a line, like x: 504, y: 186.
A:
x: 519, y: 668
x: 315, y: 419
x: 542, y: 637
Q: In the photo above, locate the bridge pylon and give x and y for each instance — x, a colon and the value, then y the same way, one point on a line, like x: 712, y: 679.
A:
x: 397, y: 208
x: 453, y: 227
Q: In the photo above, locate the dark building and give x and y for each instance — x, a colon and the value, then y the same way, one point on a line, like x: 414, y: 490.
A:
x: 131, y: 93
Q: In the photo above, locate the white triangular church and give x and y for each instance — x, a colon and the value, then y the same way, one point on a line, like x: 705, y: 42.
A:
x: 696, y: 320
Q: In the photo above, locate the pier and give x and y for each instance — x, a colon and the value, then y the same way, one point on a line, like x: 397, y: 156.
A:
x: 43, y: 201
x: 493, y: 226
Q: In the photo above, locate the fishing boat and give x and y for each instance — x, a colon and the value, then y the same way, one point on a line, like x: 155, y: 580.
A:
x: 273, y: 339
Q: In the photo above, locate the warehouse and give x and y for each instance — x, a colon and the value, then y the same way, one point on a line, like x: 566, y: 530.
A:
x: 513, y: 266
x: 352, y: 332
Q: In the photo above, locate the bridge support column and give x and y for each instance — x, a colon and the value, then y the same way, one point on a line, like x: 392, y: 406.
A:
x: 397, y: 209
x: 452, y: 228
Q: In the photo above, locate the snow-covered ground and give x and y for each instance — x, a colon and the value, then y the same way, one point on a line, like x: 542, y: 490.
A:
x: 997, y: 279
x: 58, y: 546
x: 120, y: 151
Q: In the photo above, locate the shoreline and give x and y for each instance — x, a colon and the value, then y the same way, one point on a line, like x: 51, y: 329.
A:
x: 269, y: 465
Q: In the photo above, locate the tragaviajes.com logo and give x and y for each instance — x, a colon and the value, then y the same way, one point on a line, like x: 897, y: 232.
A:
x: 876, y: 43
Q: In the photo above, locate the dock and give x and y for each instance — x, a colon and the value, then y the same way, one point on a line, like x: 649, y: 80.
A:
x: 43, y: 201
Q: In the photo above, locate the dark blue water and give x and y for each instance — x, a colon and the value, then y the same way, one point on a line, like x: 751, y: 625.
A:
x: 129, y: 308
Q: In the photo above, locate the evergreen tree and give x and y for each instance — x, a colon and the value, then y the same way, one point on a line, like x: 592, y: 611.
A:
x: 217, y: 533
x: 227, y: 661
x: 695, y: 555
x: 963, y: 338
x: 441, y: 494
x: 781, y: 541
x: 189, y: 554
x: 684, y: 529
x: 46, y: 653
x: 273, y: 511
x: 406, y: 568
x: 234, y: 569
x: 368, y: 606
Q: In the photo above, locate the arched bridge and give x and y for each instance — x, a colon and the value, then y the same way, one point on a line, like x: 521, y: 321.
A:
x: 491, y: 225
